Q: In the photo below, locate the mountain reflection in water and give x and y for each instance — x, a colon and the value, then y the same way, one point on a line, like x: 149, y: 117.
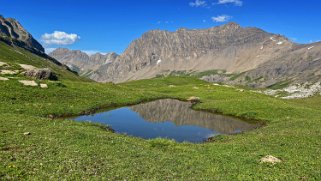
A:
x: 181, y: 114
x: 168, y: 118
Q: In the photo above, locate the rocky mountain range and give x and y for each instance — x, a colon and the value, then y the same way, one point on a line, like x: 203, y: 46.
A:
x: 229, y: 47
x: 81, y: 62
x: 227, y: 54
x: 247, y: 56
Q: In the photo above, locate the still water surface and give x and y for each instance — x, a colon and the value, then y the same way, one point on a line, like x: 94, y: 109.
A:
x: 168, y: 118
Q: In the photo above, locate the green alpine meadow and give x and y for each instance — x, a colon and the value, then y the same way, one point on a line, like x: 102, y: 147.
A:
x: 38, y: 142
x: 217, y: 100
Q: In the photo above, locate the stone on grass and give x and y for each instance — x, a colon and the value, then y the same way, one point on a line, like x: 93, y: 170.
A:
x: 27, y: 67
x: 3, y: 64
x: 171, y: 86
x: 42, y: 74
x: 31, y: 83
x: 26, y: 133
x: 44, y: 86
x: 194, y: 99
x: 3, y: 79
x: 270, y: 159
x: 9, y: 72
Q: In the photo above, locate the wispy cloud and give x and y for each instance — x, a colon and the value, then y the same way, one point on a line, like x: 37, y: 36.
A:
x: 221, y: 18
x: 235, y: 2
x: 59, y: 38
x: 92, y: 52
x: 198, y: 3
x: 49, y: 50
x: 165, y: 22
x: 314, y: 41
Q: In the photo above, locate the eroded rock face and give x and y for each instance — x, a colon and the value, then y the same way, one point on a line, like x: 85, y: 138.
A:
x: 80, y: 61
x: 42, y: 74
x: 13, y: 32
x: 228, y: 47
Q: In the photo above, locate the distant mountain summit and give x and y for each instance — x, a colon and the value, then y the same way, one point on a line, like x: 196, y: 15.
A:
x: 12, y: 32
x: 81, y: 62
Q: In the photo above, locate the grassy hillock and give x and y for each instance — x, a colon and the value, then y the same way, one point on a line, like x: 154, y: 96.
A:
x: 61, y: 149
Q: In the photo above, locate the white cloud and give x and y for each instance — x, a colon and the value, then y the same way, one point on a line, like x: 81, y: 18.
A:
x: 49, y: 50
x: 221, y: 18
x: 59, y: 38
x: 92, y: 52
x: 314, y: 41
x: 198, y: 3
x: 165, y: 22
x: 235, y: 2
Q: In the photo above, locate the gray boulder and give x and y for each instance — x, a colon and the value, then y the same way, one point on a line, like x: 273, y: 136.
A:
x: 42, y: 74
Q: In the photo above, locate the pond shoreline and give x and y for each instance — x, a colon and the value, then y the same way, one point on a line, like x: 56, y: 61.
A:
x: 168, y: 106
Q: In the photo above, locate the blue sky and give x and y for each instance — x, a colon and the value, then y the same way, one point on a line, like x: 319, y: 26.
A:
x: 110, y: 25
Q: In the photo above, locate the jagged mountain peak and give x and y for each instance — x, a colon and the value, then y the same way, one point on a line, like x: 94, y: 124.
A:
x: 12, y: 32
x: 82, y: 62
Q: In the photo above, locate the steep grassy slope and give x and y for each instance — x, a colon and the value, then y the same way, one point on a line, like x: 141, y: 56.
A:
x: 62, y: 149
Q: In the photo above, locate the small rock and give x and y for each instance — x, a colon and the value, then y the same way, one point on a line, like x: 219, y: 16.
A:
x: 171, y: 86
x: 27, y: 67
x: 42, y: 74
x: 3, y: 79
x: 3, y: 64
x: 50, y: 116
x: 9, y: 72
x: 270, y: 159
x: 194, y: 99
x: 44, y: 86
x: 28, y: 83
x: 27, y: 133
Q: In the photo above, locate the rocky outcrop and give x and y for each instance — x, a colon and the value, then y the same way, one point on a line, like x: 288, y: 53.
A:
x: 82, y: 62
x: 229, y: 47
x: 41, y: 74
x: 12, y: 32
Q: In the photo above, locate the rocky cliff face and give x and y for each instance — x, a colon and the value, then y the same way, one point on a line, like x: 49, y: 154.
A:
x: 12, y: 32
x: 82, y: 62
x: 228, y: 47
